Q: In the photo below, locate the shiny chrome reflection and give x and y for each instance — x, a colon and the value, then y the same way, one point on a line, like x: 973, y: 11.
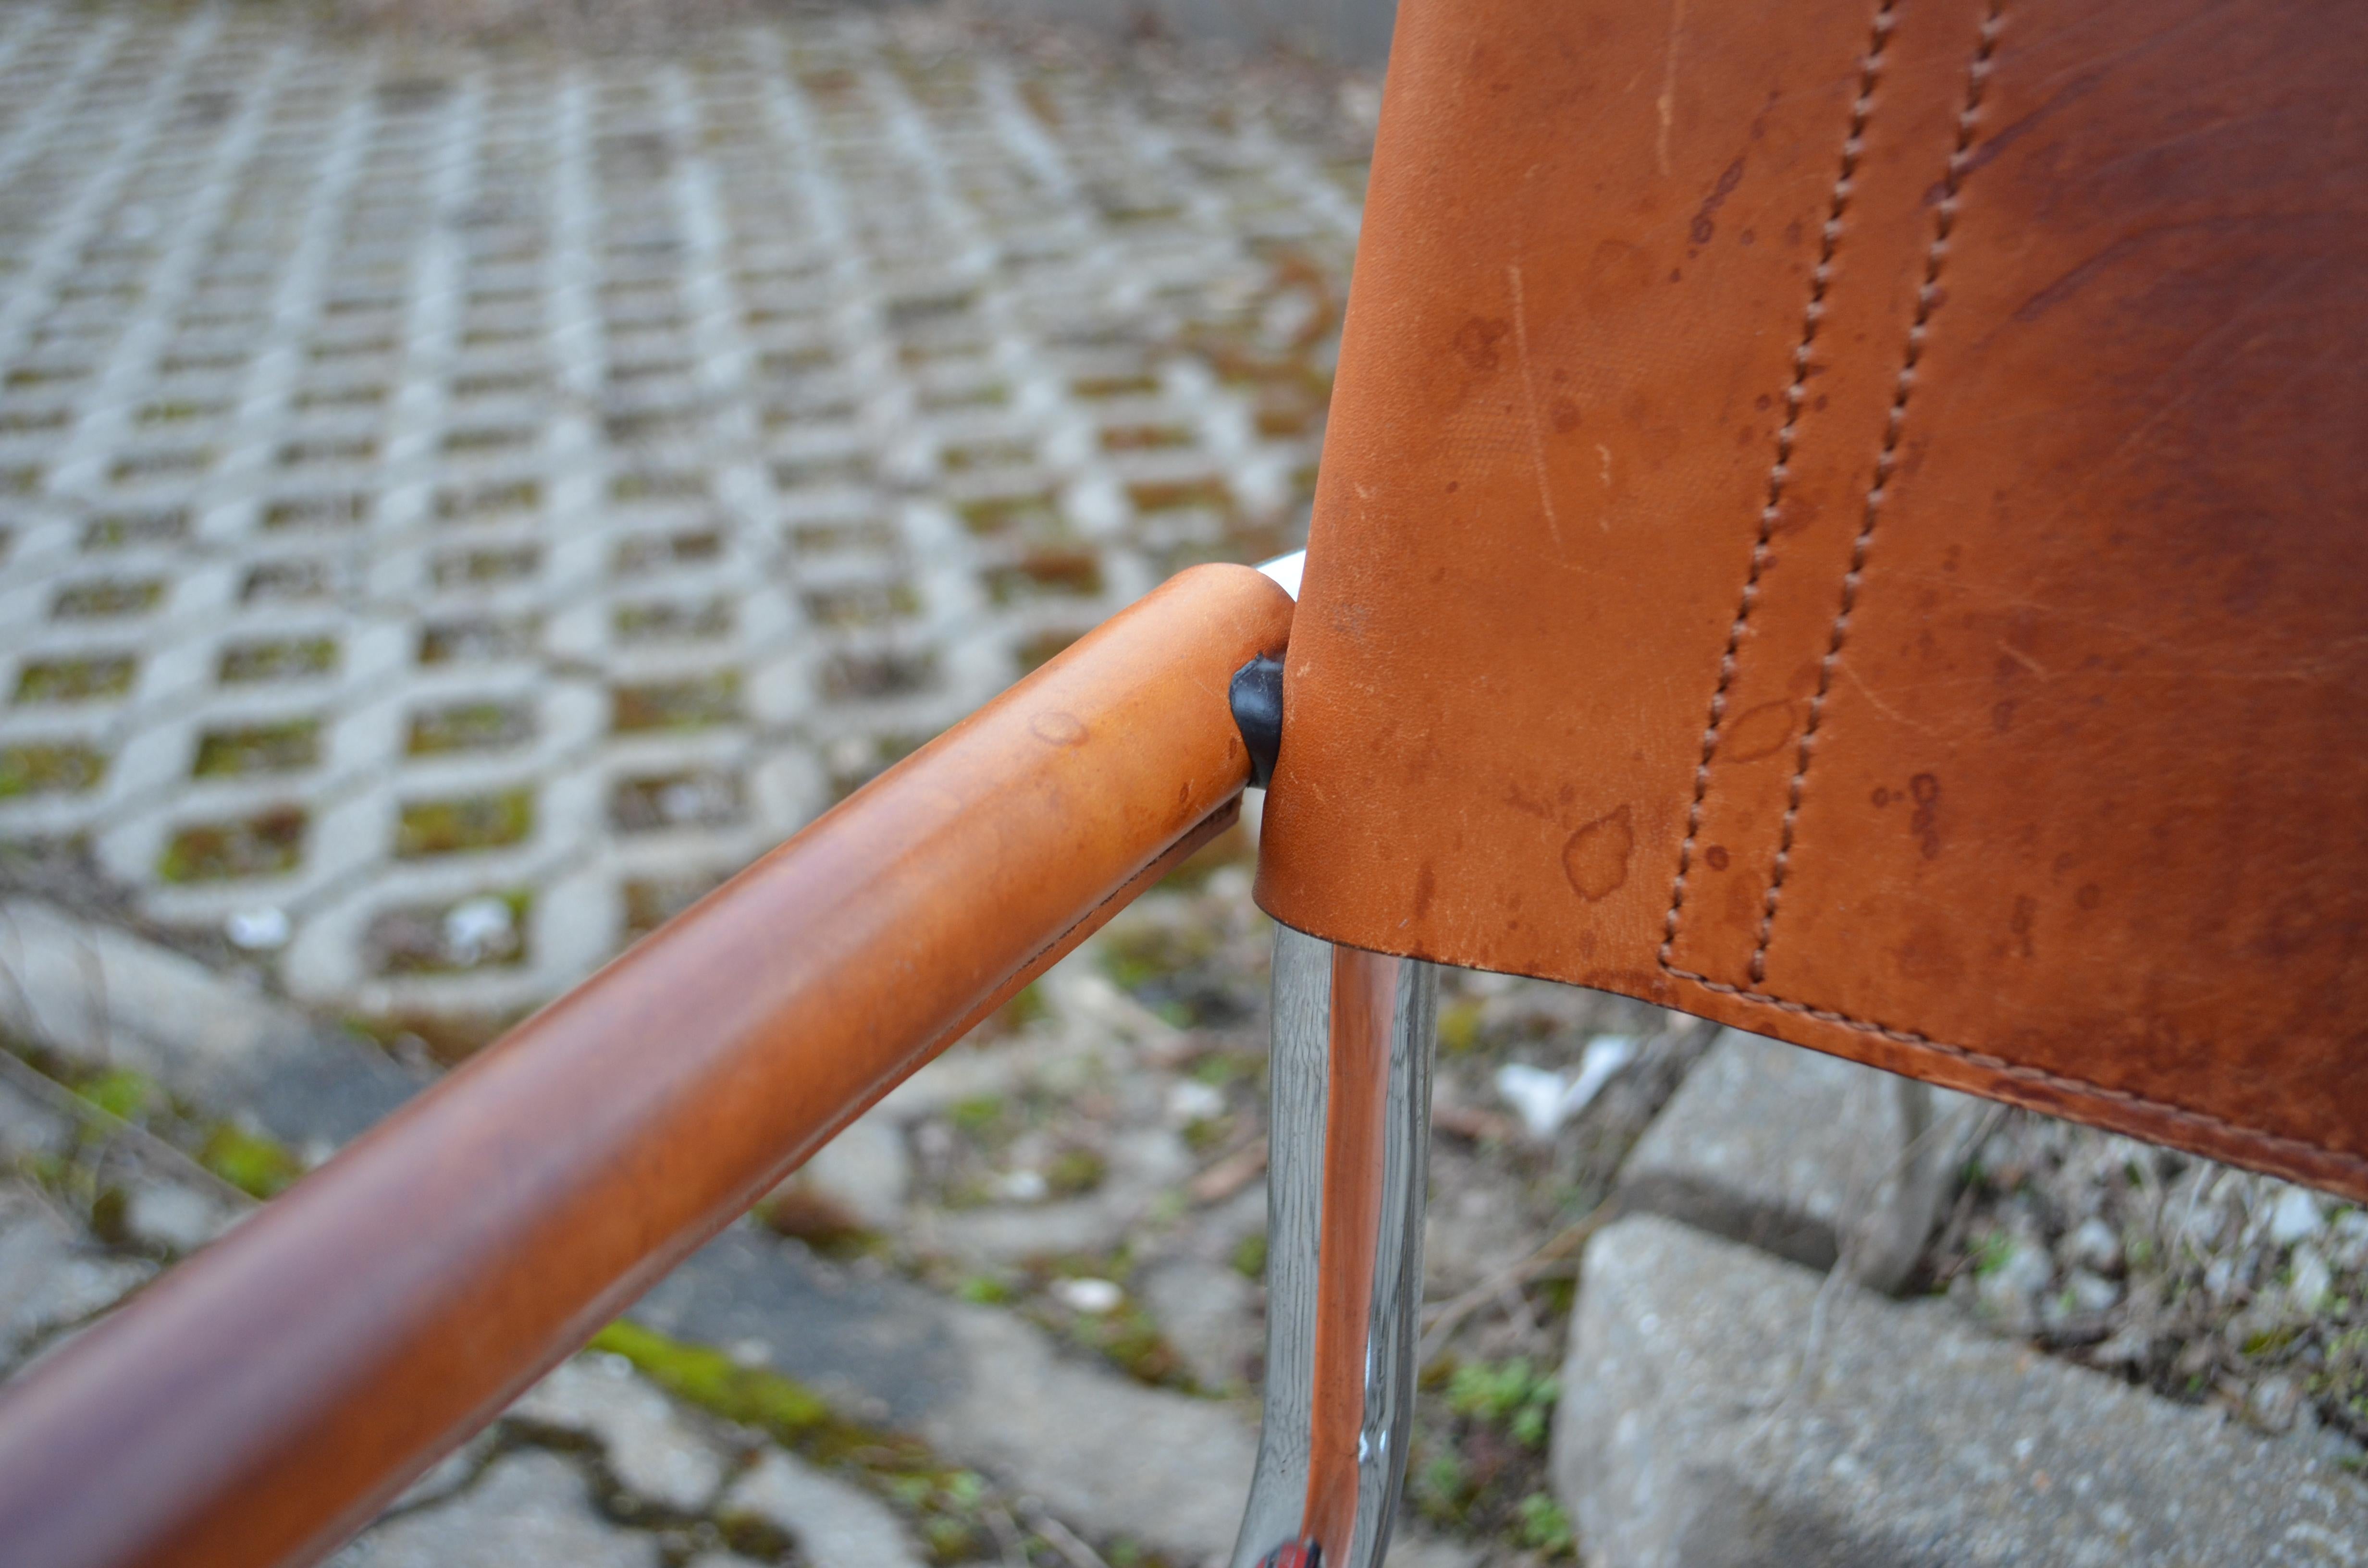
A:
x: 1351, y: 1139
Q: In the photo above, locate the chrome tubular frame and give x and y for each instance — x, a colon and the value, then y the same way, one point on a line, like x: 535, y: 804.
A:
x: 1331, y: 1465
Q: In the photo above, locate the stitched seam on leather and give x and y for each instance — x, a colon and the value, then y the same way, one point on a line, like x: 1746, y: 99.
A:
x: 1927, y: 297
x: 2025, y: 1073
x: 1796, y: 396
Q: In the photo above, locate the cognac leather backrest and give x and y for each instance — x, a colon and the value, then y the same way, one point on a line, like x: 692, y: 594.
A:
x: 1851, y: 517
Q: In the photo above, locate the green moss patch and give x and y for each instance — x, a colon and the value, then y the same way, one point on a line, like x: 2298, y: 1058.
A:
x: 341, y: 511
x: 494, y: 498
x: 49, y: 767
x: 124, y: 530
x: 656, y: 551
x: 250, y: 1162
x: 469, y: 726
x: 283, y: 747
x: 695, y: 703
x: 477, y: 640
x: 849, y: 604
x: 290, y: 658
x: 944, y: 1502
x: 484, y: 568
x: 1062, y: 573
x: 107, y: 598
x: 463, y: 824
x: 666, y: 620
x: 266, y: 844
x: 991, y: 516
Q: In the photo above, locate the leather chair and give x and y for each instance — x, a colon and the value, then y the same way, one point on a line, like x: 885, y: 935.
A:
x: 1849, y: 519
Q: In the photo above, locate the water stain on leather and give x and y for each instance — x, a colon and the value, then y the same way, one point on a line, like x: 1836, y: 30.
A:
x: 1476, y: 341
x: 1925, y: 789
x: 1930, y: 954
x: 1596, y: 857
x: 1057, y: 729
x: 1758, y: 733
x: 1702, y: 227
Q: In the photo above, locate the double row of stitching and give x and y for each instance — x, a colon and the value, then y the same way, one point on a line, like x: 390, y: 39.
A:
x: 1927, y: 298
x: 1795, y: 397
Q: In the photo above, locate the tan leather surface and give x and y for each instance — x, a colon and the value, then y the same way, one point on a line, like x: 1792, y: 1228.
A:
x: 267, y: 1397
x: 1852, y: 520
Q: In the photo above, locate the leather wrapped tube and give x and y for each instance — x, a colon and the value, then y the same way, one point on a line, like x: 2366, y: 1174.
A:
x: 266, y: 1398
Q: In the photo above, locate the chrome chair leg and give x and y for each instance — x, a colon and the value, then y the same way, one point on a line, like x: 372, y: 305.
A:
x: 1349, y: 1153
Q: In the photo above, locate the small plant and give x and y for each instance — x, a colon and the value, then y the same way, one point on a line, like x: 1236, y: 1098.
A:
x: 1541, y: 1526
x: 1509, y: 1395
x: 1441, y: 1490
x: 267, y: 843
x: 286, y: 746
x: 463, y: 823
x: 783, y: 1410
x: 41, y: 769
x: 1249, y: 1255
x: 254, y: 1165
x: 1991, y: 1252
x: 123, y: 1094
x: 985, y: 1290
x: 979, y: 1116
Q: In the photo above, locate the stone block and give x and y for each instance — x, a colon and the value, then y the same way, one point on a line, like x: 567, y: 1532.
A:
x: 833, y: 1523
x: 865, y: 1174
x: 175, y: 1218
x: 1715, y: 1413
x: 1106, y: 1454
x: 530, y: 1509
x: 1209, y: 1313
x: 653, y: 1453
x: 1802, y: 1154
x: 49, y: 1279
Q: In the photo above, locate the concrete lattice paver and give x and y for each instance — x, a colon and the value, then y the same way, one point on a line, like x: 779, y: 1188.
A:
x: 458, y: 505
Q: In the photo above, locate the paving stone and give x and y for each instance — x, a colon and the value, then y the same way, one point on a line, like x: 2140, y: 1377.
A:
x: 532, y: 1508
x: 1692, y: 1433
x: 175, y: 1218
x: 1210, y: 1313
x: 1414, y: 1549
x: 653, y: 1453
x: 833, y: 1523
x: 881, y: 1348
x: 28, y: 1126
x: 96, y: 992
x: 1106, y: 1454
x: 1143, y: 1166
x: 538, y: 484
x: 1799, y: 1153
x: 105, y: 996
x: 865, y: 1173
x: 451, y: 1474
x: 49, y: 1278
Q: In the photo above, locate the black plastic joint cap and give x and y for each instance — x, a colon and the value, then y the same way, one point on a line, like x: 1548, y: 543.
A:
x: 1257, y: 696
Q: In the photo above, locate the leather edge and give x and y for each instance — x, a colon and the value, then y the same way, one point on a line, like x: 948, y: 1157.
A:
x: 1959, y: 1067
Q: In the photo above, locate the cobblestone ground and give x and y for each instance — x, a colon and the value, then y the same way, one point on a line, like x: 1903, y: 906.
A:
x: 458, y: 506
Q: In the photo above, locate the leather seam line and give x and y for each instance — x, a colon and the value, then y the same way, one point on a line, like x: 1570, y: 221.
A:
x: 1795, y: 398
x: 1927, y: 298
x: 2025, y: 1073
